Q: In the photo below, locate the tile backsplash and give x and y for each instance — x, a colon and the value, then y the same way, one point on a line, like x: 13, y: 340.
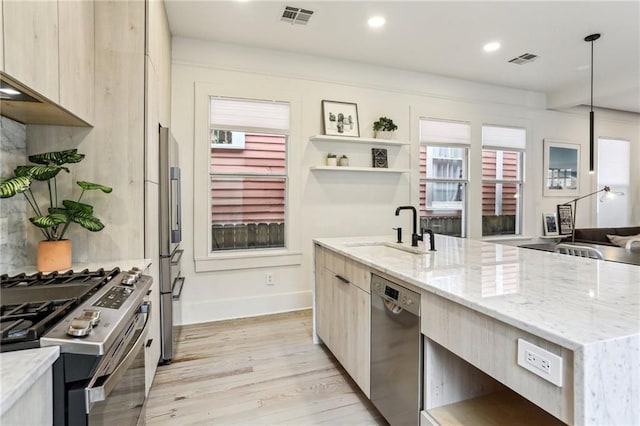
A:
x: 13, y: 211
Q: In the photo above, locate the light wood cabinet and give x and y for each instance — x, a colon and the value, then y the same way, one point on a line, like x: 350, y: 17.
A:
x: 31, y: 44
x: 461, y: 373
x: 76, y: 57
x: 343, y: 306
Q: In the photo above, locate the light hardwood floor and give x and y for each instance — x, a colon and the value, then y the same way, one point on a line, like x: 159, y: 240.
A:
x: 255, y: 371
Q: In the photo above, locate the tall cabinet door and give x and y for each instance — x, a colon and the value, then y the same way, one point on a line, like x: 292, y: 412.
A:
x: 77, y: 58
x: 31, y: 44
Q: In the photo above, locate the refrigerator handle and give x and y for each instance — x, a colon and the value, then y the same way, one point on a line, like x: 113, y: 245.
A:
x: 176, y: 234
x: 177, y: 288
x: 178, y: 254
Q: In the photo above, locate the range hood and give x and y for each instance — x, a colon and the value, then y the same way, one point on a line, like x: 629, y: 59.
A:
x: 26, y: 106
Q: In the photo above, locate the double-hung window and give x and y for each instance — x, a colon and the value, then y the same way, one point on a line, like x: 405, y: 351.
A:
x: 444, y: 151
x: 502, y: 179
x: 248, y: 173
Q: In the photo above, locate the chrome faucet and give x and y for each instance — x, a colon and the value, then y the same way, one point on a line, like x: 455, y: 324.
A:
x: 415, y: 237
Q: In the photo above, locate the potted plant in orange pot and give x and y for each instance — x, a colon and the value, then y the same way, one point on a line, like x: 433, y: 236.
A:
x: 54, y: 252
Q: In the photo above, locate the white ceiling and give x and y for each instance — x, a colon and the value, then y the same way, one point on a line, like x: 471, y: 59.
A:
x: 446, y: 38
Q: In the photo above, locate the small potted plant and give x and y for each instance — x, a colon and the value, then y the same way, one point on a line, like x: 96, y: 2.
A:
x: 54, y: 252
x: 384, y: 128
x: 332, y: 160
x: 343, y: 161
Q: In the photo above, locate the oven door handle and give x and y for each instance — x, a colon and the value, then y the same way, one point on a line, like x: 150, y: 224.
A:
x: 95, y: 394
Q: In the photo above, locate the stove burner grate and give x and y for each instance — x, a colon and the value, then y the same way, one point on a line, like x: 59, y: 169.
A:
x: 33, y: 304
x: 55, y: 278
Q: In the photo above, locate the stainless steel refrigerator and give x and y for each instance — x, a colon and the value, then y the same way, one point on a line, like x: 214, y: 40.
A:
x: 170, y: 215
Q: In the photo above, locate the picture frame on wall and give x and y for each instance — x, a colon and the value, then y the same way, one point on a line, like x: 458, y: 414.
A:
x: 340, y: 118
x: 561, y: 168
x: 565, y: 219
x: 550, y: 223
x: 379, y: 158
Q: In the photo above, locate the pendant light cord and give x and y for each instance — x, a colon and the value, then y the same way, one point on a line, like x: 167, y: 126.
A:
x: 592, y: 75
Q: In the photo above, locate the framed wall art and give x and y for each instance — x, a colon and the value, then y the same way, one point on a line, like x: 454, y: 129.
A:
x: 379, y: 157
x: 340, y: 118
x: 561, y: 169
x: 565, y: 219
x: 550, y: 224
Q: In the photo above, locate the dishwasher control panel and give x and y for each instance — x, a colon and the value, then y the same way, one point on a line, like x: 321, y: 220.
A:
x: 395, y: 293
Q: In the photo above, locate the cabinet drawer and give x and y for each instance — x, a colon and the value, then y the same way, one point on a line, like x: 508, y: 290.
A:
x: 492, y: 346
x: 340, y: 265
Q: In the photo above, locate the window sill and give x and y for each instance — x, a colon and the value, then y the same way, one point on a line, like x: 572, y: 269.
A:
x: 247, y: 259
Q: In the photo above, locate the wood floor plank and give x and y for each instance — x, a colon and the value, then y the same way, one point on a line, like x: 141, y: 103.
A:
x: 255, y: 371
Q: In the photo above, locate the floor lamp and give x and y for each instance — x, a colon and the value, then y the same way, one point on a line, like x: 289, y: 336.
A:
x: 575, y: 205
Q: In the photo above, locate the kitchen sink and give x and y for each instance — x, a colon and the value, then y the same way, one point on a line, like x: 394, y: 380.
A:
x: 388, y: 248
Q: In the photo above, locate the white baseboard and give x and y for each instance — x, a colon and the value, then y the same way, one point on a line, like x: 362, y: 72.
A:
x: 250, y: 306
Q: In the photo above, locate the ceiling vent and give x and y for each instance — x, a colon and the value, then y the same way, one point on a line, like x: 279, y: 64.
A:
x: 295, y: 15
x: 524, y: 59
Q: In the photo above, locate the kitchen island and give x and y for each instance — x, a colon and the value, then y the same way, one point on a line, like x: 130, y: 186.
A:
x: 479, y: 298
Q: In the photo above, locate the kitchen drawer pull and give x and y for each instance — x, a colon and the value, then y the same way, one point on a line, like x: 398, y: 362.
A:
x: 343, y: 279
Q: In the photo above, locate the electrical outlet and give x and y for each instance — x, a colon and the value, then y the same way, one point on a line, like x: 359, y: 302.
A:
x: 540, y: 362
x: 269, y: 278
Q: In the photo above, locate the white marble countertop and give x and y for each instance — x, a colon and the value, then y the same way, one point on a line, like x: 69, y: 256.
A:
x: 571, y: 301
x: 123, y: 264
x: 20, y: 369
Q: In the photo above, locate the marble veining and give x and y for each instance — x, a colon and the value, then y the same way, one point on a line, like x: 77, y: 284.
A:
x: 20, y: 369
x: 589, y: 306
x: 13, y: 211
x: 567, y: 300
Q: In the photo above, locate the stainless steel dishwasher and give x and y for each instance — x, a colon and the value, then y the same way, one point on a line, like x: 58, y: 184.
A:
x: 396, y: 352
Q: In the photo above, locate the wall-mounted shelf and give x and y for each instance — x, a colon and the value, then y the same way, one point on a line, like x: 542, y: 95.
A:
x: 358, y: 169
x: 347, y: 139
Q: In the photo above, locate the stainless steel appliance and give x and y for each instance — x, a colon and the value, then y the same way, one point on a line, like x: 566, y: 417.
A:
x: 396, y: 352
x: 99, y: 321
x: 170, y: 218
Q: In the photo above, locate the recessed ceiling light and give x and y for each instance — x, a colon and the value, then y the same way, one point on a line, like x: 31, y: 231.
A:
x: 376, y: 21
x: 491, y: 47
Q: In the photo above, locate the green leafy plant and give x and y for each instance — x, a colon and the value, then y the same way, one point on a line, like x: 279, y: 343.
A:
x: 60, y: 214
x: 330, y: 155
x: 384, y: 124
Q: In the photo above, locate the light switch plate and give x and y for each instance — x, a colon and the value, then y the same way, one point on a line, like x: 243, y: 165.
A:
x: 540, y: 362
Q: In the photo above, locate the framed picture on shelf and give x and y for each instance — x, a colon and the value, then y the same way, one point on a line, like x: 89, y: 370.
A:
x: 340, y: 118
x: 565, y: 219
x: 379, y: 157
x: 561, y: 165
x: 550, y: 224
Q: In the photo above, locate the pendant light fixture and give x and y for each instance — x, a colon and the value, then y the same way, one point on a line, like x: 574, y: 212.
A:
x: 590, y: 39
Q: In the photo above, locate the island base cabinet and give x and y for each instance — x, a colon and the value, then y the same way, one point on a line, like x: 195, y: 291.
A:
x: 471, y: 370
x: 343, y: 321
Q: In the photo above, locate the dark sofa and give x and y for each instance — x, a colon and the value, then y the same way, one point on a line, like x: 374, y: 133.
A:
x: 599, y: 235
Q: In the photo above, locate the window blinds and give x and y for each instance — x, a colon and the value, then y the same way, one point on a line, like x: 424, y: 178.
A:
x: 504, y: 138
x: 243, y: 114
x: 441, y: 132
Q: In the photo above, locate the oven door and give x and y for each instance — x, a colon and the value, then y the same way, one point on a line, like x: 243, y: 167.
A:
x: 117, y: 399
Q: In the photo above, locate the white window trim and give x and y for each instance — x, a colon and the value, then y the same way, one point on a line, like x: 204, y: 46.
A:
x: 205, y: 259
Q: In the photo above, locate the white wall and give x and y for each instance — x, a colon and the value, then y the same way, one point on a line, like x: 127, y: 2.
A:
x: 343, y: 204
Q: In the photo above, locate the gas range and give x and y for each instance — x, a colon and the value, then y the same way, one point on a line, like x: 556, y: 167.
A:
x: 100, y: 321
x: 80, y: 311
